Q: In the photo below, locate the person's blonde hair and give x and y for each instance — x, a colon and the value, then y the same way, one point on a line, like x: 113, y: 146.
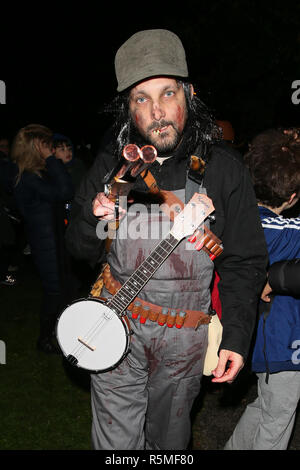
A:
x: 24, y: 151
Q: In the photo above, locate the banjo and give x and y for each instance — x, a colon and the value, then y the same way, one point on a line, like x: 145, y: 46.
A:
x: 94, y: 334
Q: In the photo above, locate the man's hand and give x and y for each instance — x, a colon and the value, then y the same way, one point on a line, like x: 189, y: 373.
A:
x: 236, y: 363
x: 104, y: 208
x: 265, y: 295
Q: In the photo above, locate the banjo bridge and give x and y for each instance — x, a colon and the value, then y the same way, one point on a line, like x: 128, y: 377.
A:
x: 92, y: 348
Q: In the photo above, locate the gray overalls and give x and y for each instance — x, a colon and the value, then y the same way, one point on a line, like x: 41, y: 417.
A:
x: 145, y: 402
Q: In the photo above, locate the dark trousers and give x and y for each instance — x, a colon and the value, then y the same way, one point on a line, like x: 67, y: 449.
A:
x: 51, y: 307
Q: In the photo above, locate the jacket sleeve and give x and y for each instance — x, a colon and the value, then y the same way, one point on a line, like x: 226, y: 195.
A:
x: 85, y: 233
x: 242, y: 265
x: 284, y: 277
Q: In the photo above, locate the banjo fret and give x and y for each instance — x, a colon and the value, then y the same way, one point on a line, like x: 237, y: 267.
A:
x: 120, y: 301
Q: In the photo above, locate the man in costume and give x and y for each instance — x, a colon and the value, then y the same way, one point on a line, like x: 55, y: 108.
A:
x: 145, y: 402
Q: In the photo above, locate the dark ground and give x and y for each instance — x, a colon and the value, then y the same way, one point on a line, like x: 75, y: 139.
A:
x: 45, y: 404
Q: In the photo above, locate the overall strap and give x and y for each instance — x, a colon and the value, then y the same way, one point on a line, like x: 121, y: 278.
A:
x: 170, y: 199
x: 194, y: 177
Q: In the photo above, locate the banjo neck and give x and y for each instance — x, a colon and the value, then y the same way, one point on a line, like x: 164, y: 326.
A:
x: 135, y: 283
x: 185, y: 223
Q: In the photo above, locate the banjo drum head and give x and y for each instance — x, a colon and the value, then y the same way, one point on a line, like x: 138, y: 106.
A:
x: 93, y: 334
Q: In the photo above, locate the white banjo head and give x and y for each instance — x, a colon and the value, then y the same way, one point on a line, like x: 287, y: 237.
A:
x: 92, y: 334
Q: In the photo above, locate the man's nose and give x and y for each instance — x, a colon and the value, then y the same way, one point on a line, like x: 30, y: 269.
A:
x: 157, y: 112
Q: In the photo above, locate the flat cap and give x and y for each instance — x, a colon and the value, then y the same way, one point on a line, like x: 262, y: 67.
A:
x: 149, y: 53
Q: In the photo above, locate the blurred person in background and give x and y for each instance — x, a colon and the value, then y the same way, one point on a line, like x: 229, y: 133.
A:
x: 7, y: 239
x: 12, y: 234
x: 63, y: 149
x: 42, y: 185
x: 267, y: 423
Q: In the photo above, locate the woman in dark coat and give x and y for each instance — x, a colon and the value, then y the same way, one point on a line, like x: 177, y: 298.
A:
x: 42, y: 188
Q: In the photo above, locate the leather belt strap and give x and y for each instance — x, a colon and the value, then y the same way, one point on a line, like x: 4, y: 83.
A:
x: 193, y: 318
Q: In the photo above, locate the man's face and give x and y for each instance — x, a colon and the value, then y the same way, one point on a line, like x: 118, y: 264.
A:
x: 63, y: 152
x: 158, y: 110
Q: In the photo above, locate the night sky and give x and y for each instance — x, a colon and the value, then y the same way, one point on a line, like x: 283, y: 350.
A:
x: 58, y: 64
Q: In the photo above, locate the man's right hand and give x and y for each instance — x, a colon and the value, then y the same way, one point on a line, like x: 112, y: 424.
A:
x: 104, y: 208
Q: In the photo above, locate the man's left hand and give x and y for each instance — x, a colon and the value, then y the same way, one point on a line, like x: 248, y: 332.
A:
x: 229, y: 365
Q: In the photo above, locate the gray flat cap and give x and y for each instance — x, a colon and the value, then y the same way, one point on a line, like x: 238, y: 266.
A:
x: 147, y: 54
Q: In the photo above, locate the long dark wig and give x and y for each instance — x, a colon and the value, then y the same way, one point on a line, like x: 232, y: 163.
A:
x: 200, y: 128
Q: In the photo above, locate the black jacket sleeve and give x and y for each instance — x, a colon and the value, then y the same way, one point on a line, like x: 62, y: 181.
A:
x: 242, y: 265
x: 284, y: 277
x: 83, y: 235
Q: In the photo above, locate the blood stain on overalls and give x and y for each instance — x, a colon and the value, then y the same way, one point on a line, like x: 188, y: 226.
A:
x: 191, y: 358
x: 153, y: 354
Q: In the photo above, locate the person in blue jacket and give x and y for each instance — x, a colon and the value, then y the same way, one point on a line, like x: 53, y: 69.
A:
x: 267, y: 423
x: 42, y: 186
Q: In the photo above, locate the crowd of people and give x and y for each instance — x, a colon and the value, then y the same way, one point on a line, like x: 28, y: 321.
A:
x: 145, y: 401
x: 39, y: 176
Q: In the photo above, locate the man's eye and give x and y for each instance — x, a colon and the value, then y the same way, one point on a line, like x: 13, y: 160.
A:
x: 169, y: 93
x: 142, y: 99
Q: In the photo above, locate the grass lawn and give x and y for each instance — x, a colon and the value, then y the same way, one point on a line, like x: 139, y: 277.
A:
x: 45, y: 403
